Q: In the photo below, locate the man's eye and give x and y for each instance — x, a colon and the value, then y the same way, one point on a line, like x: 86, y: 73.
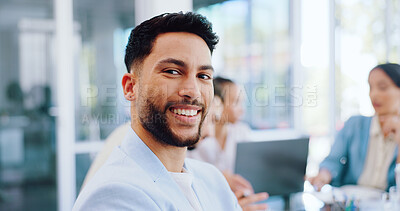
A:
x: 204, y: 76
x: 173, y: 72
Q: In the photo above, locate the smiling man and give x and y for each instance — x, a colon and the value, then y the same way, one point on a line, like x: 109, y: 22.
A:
x: 169, y: 85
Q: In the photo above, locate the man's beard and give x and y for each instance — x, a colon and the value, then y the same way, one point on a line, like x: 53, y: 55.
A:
x: 155, y: 121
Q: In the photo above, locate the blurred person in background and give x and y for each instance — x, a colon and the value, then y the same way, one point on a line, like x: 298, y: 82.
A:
x: 220, y: 149
x: 208, y: 127
x: 365, y: 150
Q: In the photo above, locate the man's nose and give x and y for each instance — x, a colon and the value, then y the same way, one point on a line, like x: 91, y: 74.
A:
x: 190, y: 89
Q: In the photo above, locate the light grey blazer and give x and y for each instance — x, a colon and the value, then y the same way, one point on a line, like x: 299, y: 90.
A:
x: 133, y: 178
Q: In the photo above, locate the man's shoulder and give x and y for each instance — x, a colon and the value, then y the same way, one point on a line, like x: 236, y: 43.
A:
x: 121, y: 168
x: 114, y: 195
x: 117, y: 182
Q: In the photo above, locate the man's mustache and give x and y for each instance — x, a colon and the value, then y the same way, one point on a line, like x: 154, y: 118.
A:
x: 184, y: 102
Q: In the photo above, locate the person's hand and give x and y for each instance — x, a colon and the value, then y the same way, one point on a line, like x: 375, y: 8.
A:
x: 247, y: 201
x: 237, y: 182
x: 391, y: 126
x: 324, y: 177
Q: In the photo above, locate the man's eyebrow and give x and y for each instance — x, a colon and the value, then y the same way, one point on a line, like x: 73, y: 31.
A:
x: 206, y: 67
x: 183, y: 64
x: 172, y: 61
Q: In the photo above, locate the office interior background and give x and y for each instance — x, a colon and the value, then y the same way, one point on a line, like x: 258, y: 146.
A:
x: 303, y: 65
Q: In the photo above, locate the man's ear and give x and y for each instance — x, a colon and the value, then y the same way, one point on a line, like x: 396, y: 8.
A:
x: 128, y: 85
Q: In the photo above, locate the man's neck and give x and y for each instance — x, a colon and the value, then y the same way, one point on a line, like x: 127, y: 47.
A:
x: 171, y: 157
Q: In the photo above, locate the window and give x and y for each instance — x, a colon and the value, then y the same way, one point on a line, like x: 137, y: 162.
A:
x: 255, y: 51
x: 27, y: 96
x: 99, y: 61
x: 368, y: 34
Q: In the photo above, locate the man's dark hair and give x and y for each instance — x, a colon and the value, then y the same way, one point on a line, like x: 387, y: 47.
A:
x: 142, y: 37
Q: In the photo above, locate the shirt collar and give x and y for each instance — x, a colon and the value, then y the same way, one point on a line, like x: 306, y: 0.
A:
x: 376, y: 131
x: 138, y: 151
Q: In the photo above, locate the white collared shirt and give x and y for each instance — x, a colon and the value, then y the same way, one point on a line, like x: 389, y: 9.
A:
x: 379, y: 157
x: 185, y: 181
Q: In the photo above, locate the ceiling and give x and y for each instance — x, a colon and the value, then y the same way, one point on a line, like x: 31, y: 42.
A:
x: 11, y: 11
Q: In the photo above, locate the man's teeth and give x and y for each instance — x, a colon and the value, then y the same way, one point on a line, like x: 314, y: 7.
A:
x: 185, y: 112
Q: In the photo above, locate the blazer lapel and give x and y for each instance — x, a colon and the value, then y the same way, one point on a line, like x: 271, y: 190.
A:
x: 172, y: 191
x: 365, y: 138
x: 201, y: 194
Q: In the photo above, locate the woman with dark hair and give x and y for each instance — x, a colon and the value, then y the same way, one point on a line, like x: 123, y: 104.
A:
x: 219, y: 148
x: 365, y: 150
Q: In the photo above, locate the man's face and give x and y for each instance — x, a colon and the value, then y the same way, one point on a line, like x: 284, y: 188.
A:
x: 175, y: 88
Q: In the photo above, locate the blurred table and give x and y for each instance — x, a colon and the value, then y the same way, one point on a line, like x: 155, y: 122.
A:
x: 332, y: 199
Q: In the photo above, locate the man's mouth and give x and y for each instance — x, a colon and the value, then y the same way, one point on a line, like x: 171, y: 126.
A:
x: 185, y: 112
